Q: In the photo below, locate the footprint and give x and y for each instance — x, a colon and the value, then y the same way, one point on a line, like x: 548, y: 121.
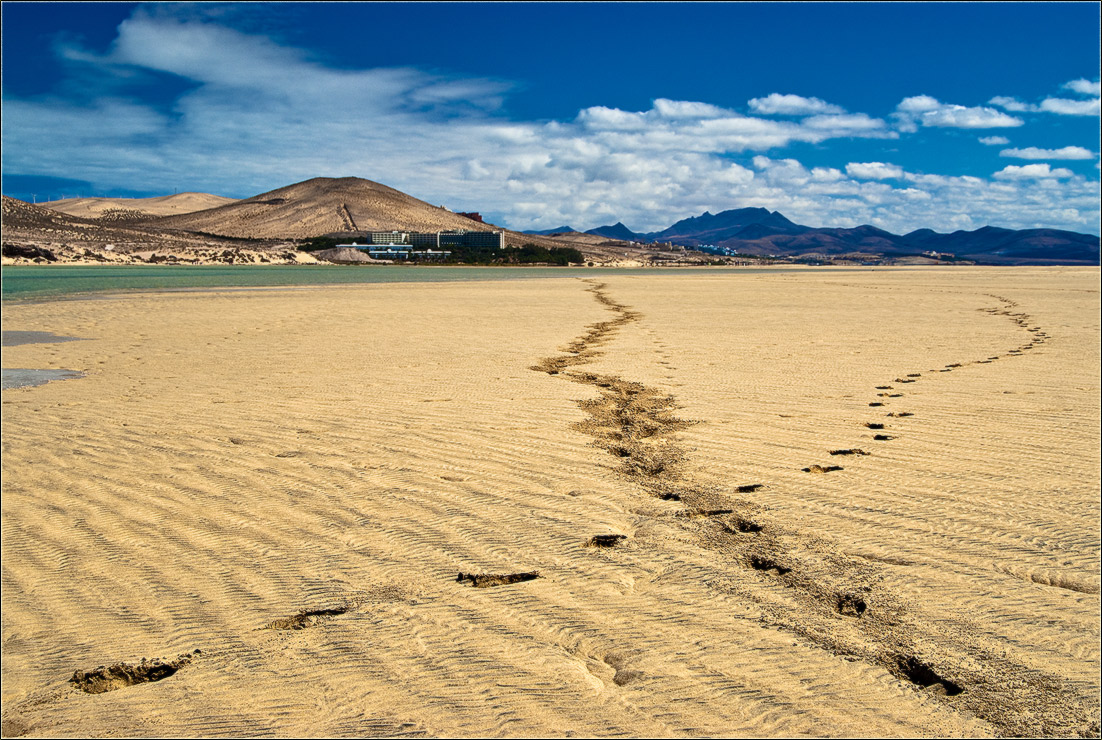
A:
x: 743, y: 526
x: 121, y: 675
x: 485, y: 580
x: 851, y: 605
x: 920, y: 674
x: 822, y: 469
x: 605, y: 540
x: 304, y: 620
x: 768, y: 565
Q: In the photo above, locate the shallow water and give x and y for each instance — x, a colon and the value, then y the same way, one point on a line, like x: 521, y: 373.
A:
x: 27, y: 378
x: 16, y: 338
x: 53, y: 281
x: 31, y: 282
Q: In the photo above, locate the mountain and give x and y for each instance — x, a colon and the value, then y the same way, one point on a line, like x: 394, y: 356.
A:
x: 616, y: 231
x: 1008, y: 246
x: 711, y: 229
x: 548, y: 232
x: 320, y: 206
x: 759, y: 231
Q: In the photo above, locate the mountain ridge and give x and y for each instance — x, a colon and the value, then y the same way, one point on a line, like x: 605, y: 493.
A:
x: 761, y: 232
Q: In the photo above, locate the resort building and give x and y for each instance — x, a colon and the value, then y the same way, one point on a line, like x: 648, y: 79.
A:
x: 424, y: 245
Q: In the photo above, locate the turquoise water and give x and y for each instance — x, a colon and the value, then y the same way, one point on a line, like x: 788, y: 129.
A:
x: 58, y: 281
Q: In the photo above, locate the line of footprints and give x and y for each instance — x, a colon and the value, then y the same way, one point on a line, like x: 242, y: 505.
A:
x: 1023, y: 320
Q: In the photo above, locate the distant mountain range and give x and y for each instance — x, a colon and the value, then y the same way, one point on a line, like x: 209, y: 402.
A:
x: 759, y: 231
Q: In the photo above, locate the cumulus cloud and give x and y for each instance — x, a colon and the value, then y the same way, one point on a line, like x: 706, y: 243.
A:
x: 792, y: 105
x: 928, y: 111
x: 1067, y: 107
x: 1032, y: 152
x: 1031, y: 171
x: 873, y: 170
x: 994, y: 140
x: 1062, y: 106
x: 1012, y: 104
x: 1084, y: 87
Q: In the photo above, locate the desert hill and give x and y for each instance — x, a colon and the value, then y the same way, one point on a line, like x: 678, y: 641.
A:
x: 34, y: 222
x: 120, y: 208
x: 35, y: 234
x: 324, y: 205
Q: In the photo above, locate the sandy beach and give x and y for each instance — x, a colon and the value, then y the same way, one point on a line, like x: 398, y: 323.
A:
x: 282, y: 486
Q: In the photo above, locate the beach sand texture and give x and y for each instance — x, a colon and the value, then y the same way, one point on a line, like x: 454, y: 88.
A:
x: 289, y: 481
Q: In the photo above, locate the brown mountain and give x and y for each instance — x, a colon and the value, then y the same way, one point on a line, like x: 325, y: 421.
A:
x: 320, y: 206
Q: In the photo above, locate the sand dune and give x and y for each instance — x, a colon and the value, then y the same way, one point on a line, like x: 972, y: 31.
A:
x: 164, y: 205
x: 290, y: 481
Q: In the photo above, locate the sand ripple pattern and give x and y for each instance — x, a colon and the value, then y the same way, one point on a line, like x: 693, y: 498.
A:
x: 289, y: 481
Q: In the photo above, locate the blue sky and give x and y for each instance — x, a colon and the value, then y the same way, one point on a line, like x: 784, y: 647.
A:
x: 941, y: 115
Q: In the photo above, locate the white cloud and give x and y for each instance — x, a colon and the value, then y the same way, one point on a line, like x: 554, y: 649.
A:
x: 1031, y: 171
x: 873, y: 170
x: 959, y: 116
x: 1032, y: 152
x: 994, y: 140
x: 1012, y: 104
x: 927, y: 111
x: 918, y: 104
x: 1084, y: 87
x: 1067, y: 107
x: 792, y: 105
x: 687, y: 109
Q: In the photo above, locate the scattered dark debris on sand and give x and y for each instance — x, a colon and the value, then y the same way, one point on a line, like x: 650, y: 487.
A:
x: 121, y: 675
x: 485, y: 580
x: 853, y: 451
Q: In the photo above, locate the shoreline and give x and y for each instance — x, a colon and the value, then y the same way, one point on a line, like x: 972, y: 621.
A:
x: 381, y: 277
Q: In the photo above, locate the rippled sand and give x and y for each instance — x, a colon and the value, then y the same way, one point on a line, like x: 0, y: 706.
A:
x: 274, y: 491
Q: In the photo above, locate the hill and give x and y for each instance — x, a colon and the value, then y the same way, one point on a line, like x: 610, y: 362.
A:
x: 130, y: 208
x: 326, y: 205
x: 617, y: 231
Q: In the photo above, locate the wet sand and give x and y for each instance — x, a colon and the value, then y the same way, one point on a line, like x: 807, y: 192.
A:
x: 561, y: 506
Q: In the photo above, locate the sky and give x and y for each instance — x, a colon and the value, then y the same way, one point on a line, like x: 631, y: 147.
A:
x: 537, y: 115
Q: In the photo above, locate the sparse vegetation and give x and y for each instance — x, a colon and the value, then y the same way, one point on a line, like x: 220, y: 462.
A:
x: 318, y: 243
